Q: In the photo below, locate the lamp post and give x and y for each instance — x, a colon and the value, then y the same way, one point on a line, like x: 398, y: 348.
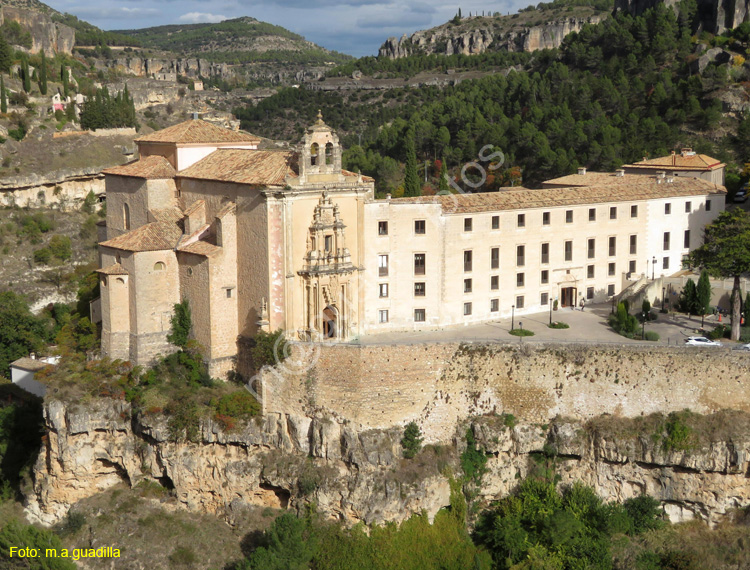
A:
x: 550, y: 312
x: 643, y: 331
x: 663, y: 290
x: 512, y: 316
x: 653, y: 269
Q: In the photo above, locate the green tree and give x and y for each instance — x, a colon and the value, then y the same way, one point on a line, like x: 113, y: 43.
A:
x: 6, y: 55
x: 181, y: 324
x: 3, y: 96
x: 688, y: 301
x: 726, y: 253
x: 703, y: 295
x: 288, y: 546
x: 61, y: 247
x: 443, y: 185
x: 21, y: 332
x: 64, y: 79
x: 43, y: 74
x: 26, y: 75
x: 411, y: 443
x: 412, y: 186
x: 20, y: 535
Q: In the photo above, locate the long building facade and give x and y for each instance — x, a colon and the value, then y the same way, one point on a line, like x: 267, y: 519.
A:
x: 286, y: 239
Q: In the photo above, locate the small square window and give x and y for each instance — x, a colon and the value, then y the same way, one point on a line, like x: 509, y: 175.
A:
x: 468, y: 224
x: 545, y: 218
x: 633, y: 244
x: 610, y: 290
x: 494, y: 305
x: 521, y: 220
x: 495, y: 222
x: 568, y: 251
x: 467, y: 285
x: 611, y: 269
x: 229, y: 292
x: 667, y: 208
x: 494, y: 282
x: 495, y: 258
x: 419, y: 263
x: 589, y: 293
x: 519, y: 302
x: 382, y: 228
x: 382, y: 265
x: 520, y: 279
x: 545, y: 253
x: 591, y: 249
x: 631, y: 266
x: 613, y: 213
x: 666, y: 241
x: 590, y: 272
x: 545, y: 277
x: 467, y: 309
x: 520, y: 255
x: 419, y: 227
x: 383, y: 290
x: 612, y: 246
x: 634, y: 211
x: 544, y: 299
x: 468, y: 261
x: 665, y: 263
x: 568, y: 216
x: 419, y: 290
x: 688, y: 207
x: 383, y: 316
x: 708, y: 205
x: 592, y: 214
x: 419, y: 315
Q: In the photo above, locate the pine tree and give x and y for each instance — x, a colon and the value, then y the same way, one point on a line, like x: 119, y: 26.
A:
x: 6, y: 55
x: 459, y: 13
x: 411, y: 178
x: 64, y: 79
x: 3, y: 96
x: 43, y: 75
x: 443, y: 186
x: 26, y: 75
x: 703, y: 294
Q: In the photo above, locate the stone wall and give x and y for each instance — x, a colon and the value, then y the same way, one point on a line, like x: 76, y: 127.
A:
x: 440, y: 385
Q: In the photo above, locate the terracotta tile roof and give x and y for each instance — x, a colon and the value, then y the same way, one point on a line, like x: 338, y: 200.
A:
x: 195, y: 206
x: 156, y: 236
x: 30, y: 364
x: 350, y: 173
x: 686, y: 160
x: 114, y: 269
x: 200, y: 248
x: 196, y: 131
x: 593, y: 179
x: 524, y: 198
x: 149, y: 167
x: 229, y: 207
x: 258, y: 167
x: 172, y: 215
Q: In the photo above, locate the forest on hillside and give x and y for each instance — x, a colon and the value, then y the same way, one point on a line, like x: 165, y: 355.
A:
x: 611, y: 94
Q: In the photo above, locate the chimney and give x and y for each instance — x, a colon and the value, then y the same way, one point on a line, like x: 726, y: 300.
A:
x: 582, y: 171
x: 661, y: 174
x: 387, y: 196
x: 195, y: 116
x: 32, y: 356
x: 620, y: 172
x: 674, y: 158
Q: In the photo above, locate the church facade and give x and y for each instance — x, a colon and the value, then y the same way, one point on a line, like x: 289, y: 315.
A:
x: 259, y: 239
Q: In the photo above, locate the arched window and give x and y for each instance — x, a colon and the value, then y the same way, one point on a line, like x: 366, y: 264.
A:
x: 314, y: 154
x: 121, y: 280
x: 159, y: 266
x: 126, y: 216
x: 329, y: 153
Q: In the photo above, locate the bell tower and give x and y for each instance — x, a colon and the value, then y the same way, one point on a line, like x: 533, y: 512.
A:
x: 320, y: 155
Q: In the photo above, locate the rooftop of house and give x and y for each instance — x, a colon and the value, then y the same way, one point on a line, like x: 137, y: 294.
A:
x: 31, y: 364
x: 640, y: 188
x: 148, y: 167
x: 257, y: 167
x: 686, y: 159
x: 114, y: 269
x: 196, y: 131
x: 590, y: 178
x: 156, y: 236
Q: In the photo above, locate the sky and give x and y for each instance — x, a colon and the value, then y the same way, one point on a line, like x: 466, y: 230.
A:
x: 356, y: 27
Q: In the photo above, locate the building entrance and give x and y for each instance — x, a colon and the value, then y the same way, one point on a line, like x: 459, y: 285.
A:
x: 568, y: 296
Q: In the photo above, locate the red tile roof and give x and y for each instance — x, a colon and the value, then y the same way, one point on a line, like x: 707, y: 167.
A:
x: 114, y: 269
x: 156, y: 236
x: 200, y: 248
x: 196, y: 131
x: 686, y: 160
x: 149, y: 167
x: 258, y: 167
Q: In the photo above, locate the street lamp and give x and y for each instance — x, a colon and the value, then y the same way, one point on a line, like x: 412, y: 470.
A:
x: 653, y: 269
x: 643, y: 331
x: 550, y: 311
x: 512, y: 316
x: 663, y: 289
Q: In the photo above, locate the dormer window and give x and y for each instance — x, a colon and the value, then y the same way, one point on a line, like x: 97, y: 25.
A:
x: 314, y: 154
x: 329, y: 153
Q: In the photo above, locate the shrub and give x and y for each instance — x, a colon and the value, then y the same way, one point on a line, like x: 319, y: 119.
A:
x: 720, y: 331
x: 181, y: 324
x: 651, y: 335
x: 183, y: 556
x: 521, y: 332
x: 679, y: 433
x: 473, y: 460
x: 240, y: 405
x: 61, y: 247
x: 559, y: 325
x: 268, y: 349
x: 509, y: 420
x: 42, y: 255
x: 411, y: 443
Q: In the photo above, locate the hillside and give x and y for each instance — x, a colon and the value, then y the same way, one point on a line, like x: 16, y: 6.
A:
x: 34, y: 5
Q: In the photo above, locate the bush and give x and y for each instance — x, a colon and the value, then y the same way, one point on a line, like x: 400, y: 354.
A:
x: 720, y: 331
x: 559, y: 325
x: 473, y: 459
x: 181, y: 324
x: 521, y: 332
x: 411, y: 443
x: 183, y: 556
x: 240, y: 405
x: 42, y: 255
x: 61, y: 247
x: 268, y: 349
x: 651, y: 335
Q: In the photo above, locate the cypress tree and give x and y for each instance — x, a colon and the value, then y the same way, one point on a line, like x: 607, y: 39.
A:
x: 459, y: 12
x: 6, y: 55
x: 43, y: 75
x: 411, y: 178
x: 64, y: 78
x: 443, y: 186
x: 26, y: 75
x: 703, y: 292
x: 3, y: 96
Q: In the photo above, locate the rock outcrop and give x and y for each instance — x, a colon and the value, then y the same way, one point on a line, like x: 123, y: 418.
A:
x: 46, y: 35
x: 357, y: 474
x: 715, y: 16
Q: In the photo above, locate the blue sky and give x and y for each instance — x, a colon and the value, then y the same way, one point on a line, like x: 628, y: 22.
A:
x: 356, y: 27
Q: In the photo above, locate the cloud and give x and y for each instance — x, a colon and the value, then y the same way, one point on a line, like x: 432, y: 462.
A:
x: 201, y: 18
x: 316, y: 5
x: 89, y: 13
x: 408, y: 20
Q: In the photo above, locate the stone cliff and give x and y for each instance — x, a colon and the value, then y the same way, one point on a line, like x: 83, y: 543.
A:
x: 46, y: 35
x: 714, y: 16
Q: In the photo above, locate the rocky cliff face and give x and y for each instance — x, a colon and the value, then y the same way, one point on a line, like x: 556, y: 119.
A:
x: 445, y: 40
x: 357, y: 474
x: 715, y: 15
x: 45, y: 34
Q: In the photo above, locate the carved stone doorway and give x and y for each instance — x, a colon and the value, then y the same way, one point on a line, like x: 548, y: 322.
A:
x: 330, y: 321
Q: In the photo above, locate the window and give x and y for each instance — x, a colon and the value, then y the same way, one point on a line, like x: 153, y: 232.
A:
x: 688, y: 207
x: 520, y: 255
x: 519, y: 302
x: 159, y: 266
x: 494, y: 305
x: 545, y: 218
x: 468, y: 224
x: 589, y: 293
x: 126, y: 216
x: 634, y: 211
x: 610, y: 269
x: 494, y: 282
x: 592, y: 214
x: 468, y: 263
x: 314, y: 154
x: 610, y: 290
x: 631, y: 266
x: 382, y: 265
x: 521, y: 223
x: 495, y: 257
x: 419, y: 228
x: 568, y: 216
x: 419, y: 315
x: 229, y: 292
x: 591, y: 248
x: 329, y: 243
x: 545, y: 277
x: 419, y: 290
x: 495, y: 222
x: 545, y: 253
x: 667, y: 208
x: 419, y: 263
x: 612, y: 246
x: 329, y: 153
x: 520, y: 279
x: 708, y: 205
x: 666, y: 241
x: 383, y: 316
x: 665, y: 263
x: 467, y: 309
x: 569, y: 251
x: 383, y: 289
x: 382, y: 228
x: 467, y: 285
x: 589, y: 272
x: 544, y: 300
x: 633, y: 244
x: 613, y: 213
x: 686, y: 243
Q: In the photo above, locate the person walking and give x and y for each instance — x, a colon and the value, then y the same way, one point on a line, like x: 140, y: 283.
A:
x: 583, y: 303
